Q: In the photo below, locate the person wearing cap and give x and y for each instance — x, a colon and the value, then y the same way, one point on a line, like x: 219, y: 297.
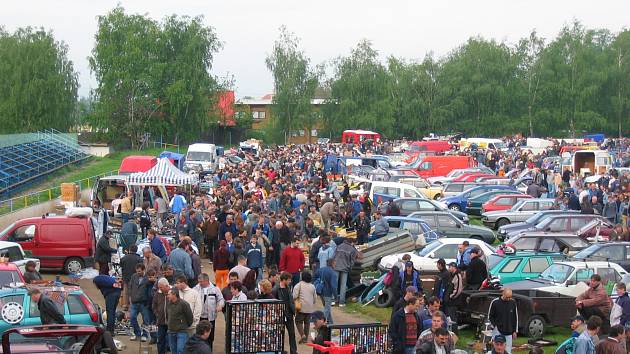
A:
x: 410, y: 277
x: 477, y: 270
x: 499, y: 345
x: 503, y: 315
x: 578, y: 326
x: 410, y: 292
x: 453, y: 292
x: 322, y: 332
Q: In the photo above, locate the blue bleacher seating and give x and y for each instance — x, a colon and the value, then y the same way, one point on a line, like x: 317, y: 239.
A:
x: 23, y: 164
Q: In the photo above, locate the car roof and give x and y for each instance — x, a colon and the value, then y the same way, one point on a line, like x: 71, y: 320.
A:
x: 57, y: 219
x: 431, y: 212
x: 404, y: 218
x: 25, y: 289
x: 589, y: 264
x: 411, y: 198
x: 529, y: 254
x: 8, y: 266
x: 458, y: 240
x: 7, y: 244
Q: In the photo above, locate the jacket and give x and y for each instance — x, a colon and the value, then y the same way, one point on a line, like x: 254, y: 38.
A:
x: 254, y: 256
x: 398, y: 331
x: 158, y: 306
x: 48, y: 312
x: 415, y: 280
x: 154, y: 262
x: 181, y: 262
x: 609, y: 346
x: 138, y: 289
x: 330, y: 279
x: 345, y: 256
x: 221, y: 260
x: 362, y: 225
x: 322, y: 335
x: 307, y: 295
x: 439, y: 289
x: 292, y: 260
x: 584, y: 344
x: 624, y: 302
x: 504, y: 315
x: 595, y: 297
x: 196, y: 345
x: 211, y: 299
x: 103, y: 250
x: 429, y: 348
x: 194, y: 301
x: 284, y: 294
x: 128, y: 265
x: 179, y: 316
x: 381, y: 227
x: 477, y: 272
x: 224, y: 227
x: 454, y: 289
x: 157, y: 247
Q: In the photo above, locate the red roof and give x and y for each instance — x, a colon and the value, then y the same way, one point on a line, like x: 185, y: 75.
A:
x: 131, y: 164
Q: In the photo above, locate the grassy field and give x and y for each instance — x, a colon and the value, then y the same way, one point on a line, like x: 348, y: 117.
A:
x: 466, y: 336
x: 84, y: 174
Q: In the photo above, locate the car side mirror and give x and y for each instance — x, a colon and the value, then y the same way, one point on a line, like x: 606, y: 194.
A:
x: 570, y: 282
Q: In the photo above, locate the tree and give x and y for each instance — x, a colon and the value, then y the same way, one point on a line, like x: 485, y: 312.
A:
x: 529, y: 70
x: 38, y: 89
x: 294, y: 85
x: 620, y: 74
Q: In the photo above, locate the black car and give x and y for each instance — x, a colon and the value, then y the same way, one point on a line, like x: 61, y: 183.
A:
x: 616, y: 252
x: 529, y: 223
x: 407, y: 206
x: 569, y: 222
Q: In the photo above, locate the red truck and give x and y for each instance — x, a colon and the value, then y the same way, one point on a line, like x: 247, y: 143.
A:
x: 432, y: 166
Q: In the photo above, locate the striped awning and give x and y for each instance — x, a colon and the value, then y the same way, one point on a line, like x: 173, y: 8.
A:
x: 164, y: 173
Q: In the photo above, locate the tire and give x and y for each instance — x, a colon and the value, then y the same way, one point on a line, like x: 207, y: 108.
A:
x: 386, y: 299
x: 502, y: 222
x: 535, y: 327
x: 454, y: 207
x: 73, y: 265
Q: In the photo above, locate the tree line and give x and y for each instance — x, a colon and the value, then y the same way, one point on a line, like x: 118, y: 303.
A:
x: 574, y: 83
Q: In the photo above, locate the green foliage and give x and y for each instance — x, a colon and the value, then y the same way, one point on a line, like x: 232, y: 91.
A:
x: 153, y: 76
x: 295, y: 82
x: 38, y: 85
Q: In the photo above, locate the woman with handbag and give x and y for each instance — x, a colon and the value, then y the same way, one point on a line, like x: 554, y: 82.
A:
x: 304, y: 296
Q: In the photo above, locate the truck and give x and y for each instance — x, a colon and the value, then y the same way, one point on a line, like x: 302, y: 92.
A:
x: 432, y: 166
x: 201, y: 158
x: 483, y: 143
x: 359, y: 136
x: 591, y: 162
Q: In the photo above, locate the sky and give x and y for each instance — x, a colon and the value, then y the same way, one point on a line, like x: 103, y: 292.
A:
x: 327, y: 28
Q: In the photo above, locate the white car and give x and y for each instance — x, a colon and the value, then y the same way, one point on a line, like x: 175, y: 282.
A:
x: 569, y: 278
x: 15, y: 254
x: 425, y: 259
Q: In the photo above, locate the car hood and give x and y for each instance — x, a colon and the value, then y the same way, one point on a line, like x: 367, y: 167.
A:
x: 459, y: 214
x: 497, y: 213
x: 420, y: 263
x: 513, y: 227
x: 569, y: 290
x: 479, y: 228
x: 451, y: 199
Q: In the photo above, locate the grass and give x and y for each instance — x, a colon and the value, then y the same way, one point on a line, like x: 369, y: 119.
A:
x: 84, y: 174
x: 466, y: 335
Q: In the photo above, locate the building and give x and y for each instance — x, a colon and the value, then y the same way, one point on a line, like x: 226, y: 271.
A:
x: 260, y: 109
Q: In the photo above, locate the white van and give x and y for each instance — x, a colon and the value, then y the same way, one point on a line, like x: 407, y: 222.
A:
x: 201, y: 158
x: 384, y: 191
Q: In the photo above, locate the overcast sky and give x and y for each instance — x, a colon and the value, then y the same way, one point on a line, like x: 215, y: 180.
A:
x: 328, y: 28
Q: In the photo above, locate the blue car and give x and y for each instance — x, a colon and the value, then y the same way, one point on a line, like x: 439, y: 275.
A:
x: 460, y: 202
x: 416, y: 227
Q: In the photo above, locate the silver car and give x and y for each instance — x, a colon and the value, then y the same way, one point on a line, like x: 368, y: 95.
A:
x: 520, y: 212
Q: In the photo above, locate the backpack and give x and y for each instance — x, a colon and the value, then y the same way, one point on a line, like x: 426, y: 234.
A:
x: 387, y: 281
x: 566, y: 347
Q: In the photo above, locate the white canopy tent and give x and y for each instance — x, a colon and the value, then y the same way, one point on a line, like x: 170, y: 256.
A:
x: 164, y: 173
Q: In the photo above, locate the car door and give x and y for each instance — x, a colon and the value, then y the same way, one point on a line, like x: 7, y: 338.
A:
x: 525, y: 211
x: 431, y: 221
x: 59, y: 299
x: 533, y: 266
x: 77, y: 312
x: 449, y: 226
x: 25, y: 236
x: 447, y: 252
x: 425, y: 205
x: 408, y: 206
x: 610, y: 277
x: 509, y: 272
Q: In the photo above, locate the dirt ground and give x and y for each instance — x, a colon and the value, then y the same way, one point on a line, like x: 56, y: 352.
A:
x: 219, y: 342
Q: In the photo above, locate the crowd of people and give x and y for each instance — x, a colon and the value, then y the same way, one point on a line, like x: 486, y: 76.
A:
x: 266, y: 227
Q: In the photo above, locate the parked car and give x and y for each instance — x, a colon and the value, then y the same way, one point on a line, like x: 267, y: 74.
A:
x: 10, y: 274
x: 14, y: 253
x: 509, y: 268
x: 56, y: 339
x: 455, y: 188
x: 617, y: 252
x: 425, y: 259
x: 567, y: 244
x: 419, y: 229
x: 530, y: 222
x: 570, y: 277
x: 475, y: 203
x: 459, y: 202
x: 567, y: 223
x: 503, y: 202
x: 408, y: 206
x: 456, y: 173
x: 521, y: 211
x: 432, y: 192
x: 447, y: 225
x: 74, y: 304
x: 60, y: 242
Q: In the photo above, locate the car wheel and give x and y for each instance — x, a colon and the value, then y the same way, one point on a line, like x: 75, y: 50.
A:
x: 454, y: 207
x: 386, y: 299
x: 502, y: 222
x: 437, y: 196
x: 74, y: 265
x: 535, y: 327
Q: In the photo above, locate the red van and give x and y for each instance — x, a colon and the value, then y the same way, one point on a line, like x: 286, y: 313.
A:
x: 432, y: 166
x: 137, y: 163
x: 60, y: 242
x: 437, y: 146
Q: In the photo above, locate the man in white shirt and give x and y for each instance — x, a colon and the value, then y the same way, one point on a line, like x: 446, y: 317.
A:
x: 212, y: 302
x: 192, y: 298
x: 241, y: 269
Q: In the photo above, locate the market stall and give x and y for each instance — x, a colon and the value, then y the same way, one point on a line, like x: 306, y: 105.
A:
x: 164, y: 173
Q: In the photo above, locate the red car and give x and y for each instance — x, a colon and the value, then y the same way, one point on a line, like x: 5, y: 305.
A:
x: 53, y: 339
x: 472, y: 176
x: 502, y: 202
x: 10, y: 273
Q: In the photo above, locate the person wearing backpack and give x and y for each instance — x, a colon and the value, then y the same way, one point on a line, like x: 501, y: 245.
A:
x: 325, y: 281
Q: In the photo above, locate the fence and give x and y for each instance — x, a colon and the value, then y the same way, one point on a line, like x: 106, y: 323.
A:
x: 165, y: 146
x: 255, y: 327
x: 366, y: 337
x: 8, y: 206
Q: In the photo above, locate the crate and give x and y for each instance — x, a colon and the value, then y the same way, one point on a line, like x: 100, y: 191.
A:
x: 366, y: 337
x: 255, y: 326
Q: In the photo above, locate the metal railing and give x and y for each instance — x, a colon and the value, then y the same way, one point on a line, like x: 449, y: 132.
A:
x: 165, y: 146
x: 8, y: 206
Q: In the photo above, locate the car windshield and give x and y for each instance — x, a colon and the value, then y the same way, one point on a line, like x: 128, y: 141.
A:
x: 518, y: 205
x: 557, y: 273
x: 198, y: 156
x: 493, y: 260
x: 534, y: 219
x: 3, y: 233
x: 41, y: 344
x: 9, y: 276
x: 587, y: 252
x: 429, y: 248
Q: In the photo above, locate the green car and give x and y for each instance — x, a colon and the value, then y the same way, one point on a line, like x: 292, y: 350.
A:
x: 521, y: 265
x: 475, y: 203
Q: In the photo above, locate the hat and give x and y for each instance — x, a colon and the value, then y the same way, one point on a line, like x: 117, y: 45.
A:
x: 411, y: 289
x: 452, y: 264
x: 578, y: 318
x: 476, y: 250
x: 499, y: 338
x: 409, y: 264
x: 317, y: 315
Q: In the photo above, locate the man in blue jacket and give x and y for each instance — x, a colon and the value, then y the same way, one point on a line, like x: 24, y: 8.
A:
x: 181, y: 261
x: 157, y: 247
x: 404, y: 337
x: 253, y: 252
x: 325, y: 280
x: 111, y: 288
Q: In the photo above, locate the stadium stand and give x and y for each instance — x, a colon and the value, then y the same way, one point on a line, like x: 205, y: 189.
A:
x: 24, y: 163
